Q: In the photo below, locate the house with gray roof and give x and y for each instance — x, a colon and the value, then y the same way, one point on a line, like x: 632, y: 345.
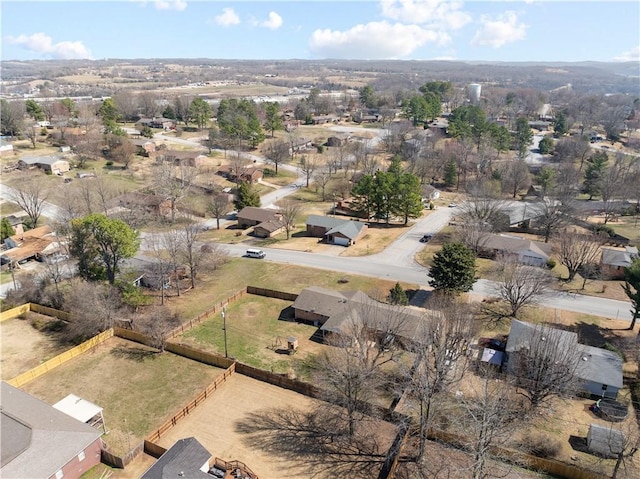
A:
x: 598, y: 370
x: 51, y: 164
x: 522, y: 250
x: 335, y: 230
x: 337, y: 311
x: 39, y: 441
x: 186, y: 458
x: 613, y: 261
x: 265, y: 222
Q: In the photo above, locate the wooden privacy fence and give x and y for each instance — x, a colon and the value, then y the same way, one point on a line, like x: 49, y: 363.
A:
x: 186, y: 410
x: 36, y: 308
x: 120, y: 462
x: 15, y: 312
x: 271, y: 293
x: 60, y: 359
x: 202, y: 316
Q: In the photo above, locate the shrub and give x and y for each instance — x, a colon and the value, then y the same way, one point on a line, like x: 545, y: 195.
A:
x: 551, y: 263
x: 109, y: 164
x: 614, y: 349
x: 539, y: 445
x: 268, y: 173
x: 320, y: 149
x: 608, y: 230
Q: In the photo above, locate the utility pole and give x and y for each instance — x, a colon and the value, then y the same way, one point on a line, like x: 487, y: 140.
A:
x: 224, y: 328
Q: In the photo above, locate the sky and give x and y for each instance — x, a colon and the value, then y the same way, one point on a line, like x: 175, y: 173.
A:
x: 498, y: 30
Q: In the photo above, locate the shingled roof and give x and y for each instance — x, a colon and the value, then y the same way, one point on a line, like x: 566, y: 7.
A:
x: 184, y: 459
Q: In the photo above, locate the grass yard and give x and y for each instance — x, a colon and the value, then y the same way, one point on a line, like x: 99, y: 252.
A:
x: 138, y: 388
x: 256, y: 336
x: 240, y: 272
x: 26, y: 343
x: 376, y: 239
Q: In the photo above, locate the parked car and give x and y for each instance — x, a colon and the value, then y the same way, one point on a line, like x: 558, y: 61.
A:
x: 453, y: 205
x: 426, y: 238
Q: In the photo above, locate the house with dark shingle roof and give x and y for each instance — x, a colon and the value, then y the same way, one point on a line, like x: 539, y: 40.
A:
x: 598, y: 370
x: 335, y: 230
x: 186, y: 458
x: 614, y: 260
x: 38, y: 441
x: 523, y: 250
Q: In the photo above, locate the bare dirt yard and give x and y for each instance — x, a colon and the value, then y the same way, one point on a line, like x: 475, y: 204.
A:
x: 138, y: 387
x: 26, y: 343
x: 241, y: 421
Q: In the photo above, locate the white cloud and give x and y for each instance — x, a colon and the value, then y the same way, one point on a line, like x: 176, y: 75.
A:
x: 375, y: 40
x: 499, y: 31
x: 632, y: 55
x: 442, y: 14
x: 170, y: 5
x: 227, y: 18
x: 43, y: 44
x: 273, y: 22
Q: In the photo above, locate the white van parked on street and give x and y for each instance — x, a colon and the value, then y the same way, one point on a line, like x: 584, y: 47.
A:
x: 255, y: 253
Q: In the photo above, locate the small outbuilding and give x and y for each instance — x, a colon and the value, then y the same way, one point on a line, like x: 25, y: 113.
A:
x: 605, y: 441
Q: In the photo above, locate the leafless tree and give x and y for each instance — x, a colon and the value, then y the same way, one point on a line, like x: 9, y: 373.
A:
x: 544, y: 364
x: 238, y: 166
x: 489, y: 418
x: 625, y: 450
x: 307, y: 167
x: 520, y: 284
x: 290, y: 210
x: 484, y: 207
x: 31, y: 195
x: 576, y: 249
x: 127, y: 103
x: 172, y: 243
x: 193, y: 253
x: 148, y: 104
x: 30, y: 130
x: 87, y: 145
x: 440, y: 348
x: 123, y: 152
x: 322, y: 177
x: 218, y: 205
x: 515, y: 177
x: 276, y: 152
x: 160, y: 269
x: 396, y: 135
x: 611, y: 189
x: 553, y: 214
x: 217, y: 255
x: 94, y: 306
x: 156, y: 322
x: 173, y: 183
x: 586, y: 110
x: 570, y: 150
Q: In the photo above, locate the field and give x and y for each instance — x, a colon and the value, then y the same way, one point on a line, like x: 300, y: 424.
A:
x: 26, y: 343
x: 138, y: 388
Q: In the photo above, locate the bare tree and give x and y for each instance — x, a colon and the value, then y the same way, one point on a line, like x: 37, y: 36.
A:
x: 576, y: 249
x: 290, y: 210
x: 172, y: 242
x: 544, y: 363
x: 217, y: 255
x: 157, y: 322
x: 322, y: 177
x: 94, y: 306
x: 484, y: 207
x: 123, y: 152
x: 30, y: 130
x: 489, y: 418
x: 193, y: 254
x: 307, y: 167
x: 515, y: 177
x: 553, y: 214
x: 276, y: 152
x: 87, y: 145
x: 148, y: 104
x: 31, y: 195
x: 238, y: 166
x: 173, y: 183
x: 520, y: 284
x: 440, y: 359
x: 626, y: 449
x: 218, y: 205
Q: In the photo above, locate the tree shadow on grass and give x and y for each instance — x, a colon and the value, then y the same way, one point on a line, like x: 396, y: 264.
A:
x: 315, y: 442
x: 134, y: 354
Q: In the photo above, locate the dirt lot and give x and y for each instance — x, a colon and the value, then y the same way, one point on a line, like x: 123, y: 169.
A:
x: 220, y: 425
x: 24, y: 346
x: 138, y: 388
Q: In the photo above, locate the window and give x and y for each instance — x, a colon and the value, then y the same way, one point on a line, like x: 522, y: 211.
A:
x: 81, y: 456
x: 59, y: 474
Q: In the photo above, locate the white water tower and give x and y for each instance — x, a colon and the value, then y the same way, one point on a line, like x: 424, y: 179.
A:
x: 473, y: 91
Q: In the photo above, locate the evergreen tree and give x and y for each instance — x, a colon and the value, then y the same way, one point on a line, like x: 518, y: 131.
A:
x: 246, y: 197
x: 397, y: 295
x: 273, y: 121
x: 632, y: 288
x: 6, y: 229
x: 34, y: 110
x: 546, y: 145
x: 450, y: 174
x: 560, y: 127
x: 594, y: 174
x: 454, y: 269
x: 200, y: 112
x: 523, y: 137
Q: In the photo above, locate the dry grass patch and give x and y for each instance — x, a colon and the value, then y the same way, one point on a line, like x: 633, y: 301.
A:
x: 138, y: 387
x: 376, y: 239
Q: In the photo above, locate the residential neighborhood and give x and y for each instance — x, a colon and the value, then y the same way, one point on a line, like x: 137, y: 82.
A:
x: 260, y: 270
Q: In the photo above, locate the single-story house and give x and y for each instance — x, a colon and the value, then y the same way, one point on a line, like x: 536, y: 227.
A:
x: 140, y: 201
x: 338, y: 139
x: 323, y: 119
x: 430, y: 193
x: 605, y: 441
x: 336, y: 311
x: 335, y: 230
x: 299, y: 145
x: 6, y: 148
x: 347, y: 207
x: 252, y: 216
x: 164, y: 123
x: 145, y: 147
x: 51, y: 164
x: 182, y: 157
x: 521, y: 249
x: 598, y: 370
x: 29, y: 245
x: 251, y: 174
x: 614, y: 260
x: 522, y: 213
x: 40, y: 441
x: 267, y: 229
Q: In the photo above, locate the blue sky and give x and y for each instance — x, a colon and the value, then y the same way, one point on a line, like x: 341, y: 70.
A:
x: 499, y: 30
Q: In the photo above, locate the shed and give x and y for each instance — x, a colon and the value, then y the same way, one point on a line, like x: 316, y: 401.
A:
x: 82, y: 410
x: 605, y: 441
